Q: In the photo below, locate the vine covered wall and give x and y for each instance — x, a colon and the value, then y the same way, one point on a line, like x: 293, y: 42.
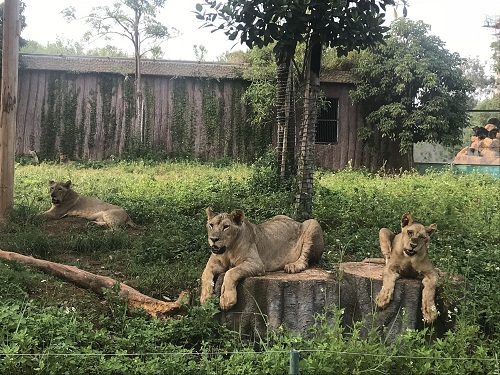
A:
x: 91, y: 116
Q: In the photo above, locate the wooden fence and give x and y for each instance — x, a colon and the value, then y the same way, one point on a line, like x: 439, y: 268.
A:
x: 64, y: 109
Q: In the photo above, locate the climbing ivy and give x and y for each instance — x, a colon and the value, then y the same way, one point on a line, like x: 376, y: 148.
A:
x: 179, y: 124
x: 107, y: 86
x: 50, y: 118
x: 212, y: 113
x: 150, y: 109
x: 69, y: 133
x: 71, y: 127
x: 128, y: 93
x: 93, y: 119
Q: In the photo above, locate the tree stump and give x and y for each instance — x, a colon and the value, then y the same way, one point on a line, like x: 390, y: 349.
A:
x: 277, y: 298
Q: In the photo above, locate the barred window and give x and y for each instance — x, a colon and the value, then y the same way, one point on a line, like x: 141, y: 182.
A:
x: 327, y: 125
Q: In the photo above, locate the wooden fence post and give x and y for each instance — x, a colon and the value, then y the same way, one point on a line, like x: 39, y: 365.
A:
x: 8, y: 104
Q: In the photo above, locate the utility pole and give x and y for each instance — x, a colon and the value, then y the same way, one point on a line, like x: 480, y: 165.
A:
x: 8, y: 104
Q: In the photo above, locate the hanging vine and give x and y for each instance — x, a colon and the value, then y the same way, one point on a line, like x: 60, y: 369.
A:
x: 107, y: 89
x: 212, y: 114
x: 69, y: 131
x: 179, y: 125
x: 50, y: 118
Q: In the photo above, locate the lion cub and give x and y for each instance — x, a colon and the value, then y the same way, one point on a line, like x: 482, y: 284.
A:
x: 406, y: 254
x: 67, y: 202
x: 244, y: 249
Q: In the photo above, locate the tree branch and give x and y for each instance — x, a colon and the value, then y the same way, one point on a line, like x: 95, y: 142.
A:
x: 96, y: 283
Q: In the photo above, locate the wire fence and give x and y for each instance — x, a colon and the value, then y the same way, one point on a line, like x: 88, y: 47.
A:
x: 225, y: 353
x: 294, y: 356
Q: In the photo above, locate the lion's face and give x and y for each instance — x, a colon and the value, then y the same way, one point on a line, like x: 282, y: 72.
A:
x: 58, y: 190
x: 416, y: 237
x: 223, y: 229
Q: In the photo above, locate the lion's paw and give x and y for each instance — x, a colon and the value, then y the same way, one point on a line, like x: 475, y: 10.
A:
x: 294, y: 267
x: 204, y: 298
x: 429, y: 313
x: 383, y: 299
x: 227, y: 299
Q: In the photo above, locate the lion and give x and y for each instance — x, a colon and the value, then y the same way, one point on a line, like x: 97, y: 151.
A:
x: 67, y: 202
x: 244, y: 249
x: 406, y: 255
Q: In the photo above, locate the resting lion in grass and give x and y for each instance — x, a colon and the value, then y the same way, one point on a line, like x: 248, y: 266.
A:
x: 244, y: 249
x: 406, y: 255
x: 67, y: 202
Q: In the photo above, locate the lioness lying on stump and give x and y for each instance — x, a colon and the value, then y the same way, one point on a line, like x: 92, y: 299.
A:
x: 67, y: 202
x: 406, y: 254
x: 244, y: 249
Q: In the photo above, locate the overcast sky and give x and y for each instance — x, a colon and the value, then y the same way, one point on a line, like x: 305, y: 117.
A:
x: 458, y: 23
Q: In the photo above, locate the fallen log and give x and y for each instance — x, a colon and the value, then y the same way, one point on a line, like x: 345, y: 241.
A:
x: 96, y: 283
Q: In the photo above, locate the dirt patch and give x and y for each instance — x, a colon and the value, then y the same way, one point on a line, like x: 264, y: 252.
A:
x: 56, y: 227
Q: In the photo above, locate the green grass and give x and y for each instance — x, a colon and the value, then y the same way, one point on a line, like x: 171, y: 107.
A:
x: 41, y: 315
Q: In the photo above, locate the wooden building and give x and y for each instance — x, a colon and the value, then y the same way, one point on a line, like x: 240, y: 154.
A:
x: 82, y: 107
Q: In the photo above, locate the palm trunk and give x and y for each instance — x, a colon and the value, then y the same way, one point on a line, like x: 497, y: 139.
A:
x: 285, y: 147
x: 281, y: 90
x: 305, y: 170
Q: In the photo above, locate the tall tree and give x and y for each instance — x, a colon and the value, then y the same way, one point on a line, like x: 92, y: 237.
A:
x: 484, y: 84
x: 494, y: 23
x: 412, y: 89
x: 63, y: 46
x: 342, y: 25
x: 136, y: 21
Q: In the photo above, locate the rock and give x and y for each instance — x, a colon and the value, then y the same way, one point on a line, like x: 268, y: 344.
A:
x: 481, y: 152
x: 277, y: 298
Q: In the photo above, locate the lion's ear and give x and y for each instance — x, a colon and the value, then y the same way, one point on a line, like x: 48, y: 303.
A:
x: 237, y: 216
x: 210, y: 213
x: 406, y: 220
x: 68, y: 184
x: 51, y: 182
x: 430, y: 229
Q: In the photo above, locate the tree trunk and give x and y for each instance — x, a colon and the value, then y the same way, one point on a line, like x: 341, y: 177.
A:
x: 96, y: 283
x: 139, y: 102
x: 305, y: 170
x: 291, y: 125
x: 388, y: 158
x: 277, y: 298
x: 139, y: 99
x: 284, y: 115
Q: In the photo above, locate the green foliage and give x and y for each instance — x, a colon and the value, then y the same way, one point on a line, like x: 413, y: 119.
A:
x: 61, y: 46
x: 258, y: 24
x: 484, y: 85
x: 331, y: 61
x: 107, y: 87
x: 180, y: 131
x: 51, y: 118
x: 481, y: 118
x: 213, y: 108
x: 412, y: 89
x: 50, y: 326
x: 64, y: 46
x: 494, y: 22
